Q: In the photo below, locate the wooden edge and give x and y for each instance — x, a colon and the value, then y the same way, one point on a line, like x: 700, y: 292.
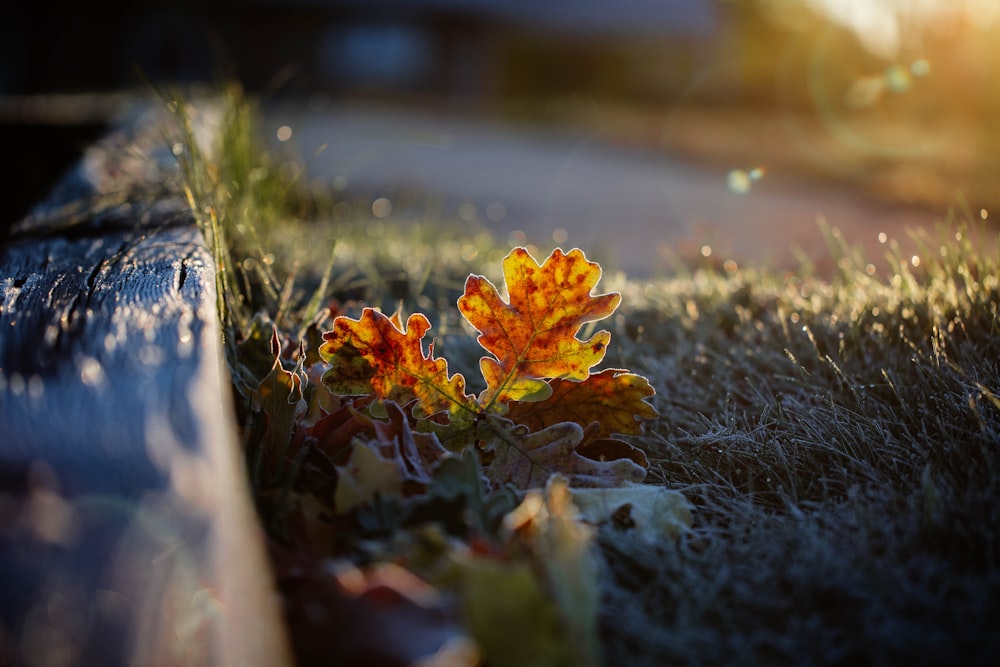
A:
x: 127, y: 531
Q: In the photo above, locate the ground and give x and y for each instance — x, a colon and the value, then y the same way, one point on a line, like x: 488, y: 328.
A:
x: 638, y: 188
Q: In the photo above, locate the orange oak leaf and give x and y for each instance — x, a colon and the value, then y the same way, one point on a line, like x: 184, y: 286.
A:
x: 371, y: 355
x: 614, y: 399
x: 532, y: 335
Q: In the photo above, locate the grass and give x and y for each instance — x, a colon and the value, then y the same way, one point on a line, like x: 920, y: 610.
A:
x: 837, y: 435
x: 839, y: 438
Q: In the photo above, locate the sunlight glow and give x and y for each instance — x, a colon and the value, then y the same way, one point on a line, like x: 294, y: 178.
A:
x: 883, y: 26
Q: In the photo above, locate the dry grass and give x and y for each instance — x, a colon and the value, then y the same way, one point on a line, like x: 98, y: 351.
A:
x: 839, y: 438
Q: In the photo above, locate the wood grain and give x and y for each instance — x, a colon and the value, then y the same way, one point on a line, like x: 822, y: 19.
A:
x: 127, y: 534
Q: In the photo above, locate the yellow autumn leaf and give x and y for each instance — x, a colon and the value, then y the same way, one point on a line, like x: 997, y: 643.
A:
x: 532, y: 335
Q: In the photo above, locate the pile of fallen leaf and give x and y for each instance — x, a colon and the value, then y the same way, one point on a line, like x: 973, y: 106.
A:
x: 413, y: 523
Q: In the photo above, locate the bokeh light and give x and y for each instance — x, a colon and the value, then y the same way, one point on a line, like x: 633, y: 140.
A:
x: 741, y: 181
x: 496, y: 211
x: 467, y: 211
x: 382, y: 207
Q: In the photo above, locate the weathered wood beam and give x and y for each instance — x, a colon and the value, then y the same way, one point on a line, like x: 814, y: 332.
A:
x: 127, y: 533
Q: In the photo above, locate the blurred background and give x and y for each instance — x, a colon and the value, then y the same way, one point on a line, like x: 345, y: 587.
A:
x: 887, y: 107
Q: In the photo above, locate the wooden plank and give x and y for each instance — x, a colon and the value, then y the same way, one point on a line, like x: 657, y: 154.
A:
x: 127, y: 534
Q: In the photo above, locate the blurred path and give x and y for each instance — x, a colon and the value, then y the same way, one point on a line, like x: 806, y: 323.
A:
x: 629, y: 207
